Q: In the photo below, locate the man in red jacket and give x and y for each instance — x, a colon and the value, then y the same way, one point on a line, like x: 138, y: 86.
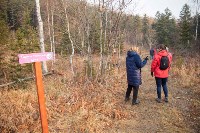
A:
x: 160, y: 69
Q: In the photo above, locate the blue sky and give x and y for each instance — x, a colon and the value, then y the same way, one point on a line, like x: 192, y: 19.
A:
x: 150, y: 7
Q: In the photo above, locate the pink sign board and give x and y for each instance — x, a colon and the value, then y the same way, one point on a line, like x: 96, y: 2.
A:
x: 35, y: 57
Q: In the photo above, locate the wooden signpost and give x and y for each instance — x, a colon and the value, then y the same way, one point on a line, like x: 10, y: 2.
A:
x: 37, y: 58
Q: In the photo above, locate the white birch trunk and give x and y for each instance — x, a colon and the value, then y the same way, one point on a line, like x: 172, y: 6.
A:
x: 105, y: 32
x: 49, y: 26
x: 89, y: 56
x: 72, y: 43
x: 101, y: 47
x: 197, y: 27
x: 53, y: 35
x: 105, y: 38
x: 197, y: 15
x: 83, y: 42
x: 41, y: 34
x: 101, y: 10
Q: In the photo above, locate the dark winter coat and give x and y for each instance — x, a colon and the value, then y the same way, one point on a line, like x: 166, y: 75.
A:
x: 133, y: 68
x: 151, y: 52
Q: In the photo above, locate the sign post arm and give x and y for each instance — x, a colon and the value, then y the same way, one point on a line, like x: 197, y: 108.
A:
x: 41, y: 98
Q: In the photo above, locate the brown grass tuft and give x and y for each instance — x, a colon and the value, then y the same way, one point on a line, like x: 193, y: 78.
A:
x: 187, y: 71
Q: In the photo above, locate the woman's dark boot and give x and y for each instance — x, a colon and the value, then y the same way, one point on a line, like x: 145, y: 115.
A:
x: 134, y: 102
x: 127, y: 99
x: 135, y: 95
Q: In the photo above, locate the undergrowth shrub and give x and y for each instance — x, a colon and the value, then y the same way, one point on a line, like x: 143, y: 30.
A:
x: 187, y: 70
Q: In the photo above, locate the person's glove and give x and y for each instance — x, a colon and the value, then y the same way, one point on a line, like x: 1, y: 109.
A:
x: 152, y: 74
x: 147, y: 58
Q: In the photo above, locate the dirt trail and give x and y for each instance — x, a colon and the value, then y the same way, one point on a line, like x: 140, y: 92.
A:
x: 147, y: 117
x: 153, y: 117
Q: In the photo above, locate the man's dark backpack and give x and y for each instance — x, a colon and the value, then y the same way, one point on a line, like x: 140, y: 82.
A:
x: 164, y: 62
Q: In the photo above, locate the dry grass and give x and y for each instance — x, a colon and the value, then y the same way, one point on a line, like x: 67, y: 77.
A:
x: 88, y: 106
x: 187, y: 71
x: 76, y: 104
x: 18, y: 111
x: 73, y: 104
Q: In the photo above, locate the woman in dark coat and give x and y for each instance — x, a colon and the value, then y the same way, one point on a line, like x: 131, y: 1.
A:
x: 133, y: 69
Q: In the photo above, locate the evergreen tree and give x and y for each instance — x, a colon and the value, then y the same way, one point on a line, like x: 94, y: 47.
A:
x: 4, y: 38
x: 94, y: 37
x: 185, y: 25
x: 25, y: 40
x: 64, y: 46
x: 165, y: 27
x: 145, y: 29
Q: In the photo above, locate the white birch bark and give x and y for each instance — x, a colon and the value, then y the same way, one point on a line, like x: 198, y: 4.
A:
x: 105, y: 32
x: 49, y: 26
x: 53, y: 35
x: 41, y: 34
x: 197, y: 27
x: 68, y: 30
x: 50, y: 32
x: 105, y: 37
x: 101, y: 33
x: 86, y: 23
x: 197, y: 15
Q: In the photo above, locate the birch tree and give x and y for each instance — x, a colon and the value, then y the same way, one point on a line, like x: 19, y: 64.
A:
x: 53, y: 33
x: 51, y: 27
x: 86, y: 26
x: 41, y: 34
x: 69, y: 34
x: 197, y: 18
x: 101, y: 6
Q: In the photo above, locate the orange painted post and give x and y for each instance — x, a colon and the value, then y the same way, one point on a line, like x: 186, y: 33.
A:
x: 41, y: 98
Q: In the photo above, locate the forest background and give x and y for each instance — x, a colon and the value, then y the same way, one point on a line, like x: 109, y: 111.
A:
x: 78, y: 27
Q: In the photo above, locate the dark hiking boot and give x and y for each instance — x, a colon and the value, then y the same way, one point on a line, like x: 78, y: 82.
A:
x: 158, y: 100
x: 127, y: 99
x: 135, y: 102
x: 166, y: 99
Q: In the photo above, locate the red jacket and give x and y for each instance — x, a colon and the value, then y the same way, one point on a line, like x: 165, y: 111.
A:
x: 156, y: 64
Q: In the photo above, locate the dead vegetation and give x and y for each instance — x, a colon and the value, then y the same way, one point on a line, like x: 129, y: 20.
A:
x: 187, y: 70
x: 83, y: 105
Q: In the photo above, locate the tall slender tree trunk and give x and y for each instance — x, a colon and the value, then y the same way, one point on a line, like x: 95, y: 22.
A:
x: 89, y: 65
x: 101, y: 44
x: 50, y: 32
x: 106, y: 48
x: 101, y: 34
x: 105, y: 32
x: 41, y: 34
x: 82, y: 35
x: 83, y: 42
x: 197, y: 15
x: 53, y: 35
x: 69, y: 34
x: 197, y: 28
x: 49, y: 26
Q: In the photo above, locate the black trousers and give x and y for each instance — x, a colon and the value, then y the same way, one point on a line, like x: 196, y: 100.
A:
x: 135, y: 92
